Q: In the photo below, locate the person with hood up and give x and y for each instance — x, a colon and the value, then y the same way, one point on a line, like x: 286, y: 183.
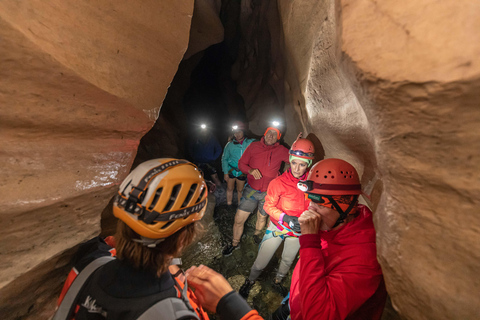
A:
x: 261, y: 163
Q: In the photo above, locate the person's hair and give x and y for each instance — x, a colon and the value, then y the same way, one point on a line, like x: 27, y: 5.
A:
x: 156, y: 259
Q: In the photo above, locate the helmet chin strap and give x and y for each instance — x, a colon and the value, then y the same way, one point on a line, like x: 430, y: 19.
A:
x: 343, y: 214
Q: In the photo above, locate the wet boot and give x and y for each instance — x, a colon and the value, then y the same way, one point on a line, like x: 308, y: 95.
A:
x: 245, y: 289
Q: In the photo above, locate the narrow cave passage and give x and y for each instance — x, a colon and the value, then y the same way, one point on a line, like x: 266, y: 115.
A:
x: 89, y: 91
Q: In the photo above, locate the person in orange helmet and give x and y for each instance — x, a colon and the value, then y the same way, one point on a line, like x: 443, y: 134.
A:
x: 284, y: 203
x: 158, y: 206
x: 338, y: 275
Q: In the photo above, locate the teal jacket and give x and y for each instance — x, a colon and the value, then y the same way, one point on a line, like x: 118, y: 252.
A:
x: 231, y: 154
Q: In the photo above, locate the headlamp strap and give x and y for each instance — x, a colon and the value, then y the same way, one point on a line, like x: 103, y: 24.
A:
x: 343, y: 214
x: 137, y: 193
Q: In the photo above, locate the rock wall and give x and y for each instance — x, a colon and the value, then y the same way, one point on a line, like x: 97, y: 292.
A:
x: 80, y: 83
x: 392, y: 87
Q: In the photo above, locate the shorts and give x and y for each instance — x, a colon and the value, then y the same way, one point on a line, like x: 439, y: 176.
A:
x: 242, y: 177
x: 207, y: 168
x: 252, y: 198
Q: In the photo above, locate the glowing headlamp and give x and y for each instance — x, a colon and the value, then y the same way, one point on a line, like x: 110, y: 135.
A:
x: 235, y: 127
x: 203, y: 126
x: 275, y: 123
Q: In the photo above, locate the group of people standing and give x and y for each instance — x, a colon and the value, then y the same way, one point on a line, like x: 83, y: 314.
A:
x: 313, y: 210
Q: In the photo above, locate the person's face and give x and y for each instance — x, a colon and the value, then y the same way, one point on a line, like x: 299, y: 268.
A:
x: 238, y: 135
x: 329, y: 215
x: 271, y: 137
x: 298, y: 168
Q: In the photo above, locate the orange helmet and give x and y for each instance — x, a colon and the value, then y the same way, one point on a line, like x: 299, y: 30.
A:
x: 332, y: 177
x: 303, y: 148
x: 160, y: 197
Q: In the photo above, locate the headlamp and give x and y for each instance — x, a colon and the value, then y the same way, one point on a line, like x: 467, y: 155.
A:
x: 275, y: 123
x: 305, y: 186
x: 203, y: 126
x: 301, y: 153
x: 235, y: 127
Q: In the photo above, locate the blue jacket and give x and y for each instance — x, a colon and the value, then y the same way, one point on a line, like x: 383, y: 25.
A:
x: 204, y: 151
x: 231, y: 154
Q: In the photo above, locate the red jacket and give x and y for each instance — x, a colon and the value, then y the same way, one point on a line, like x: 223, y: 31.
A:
x: 283, y: 196
x: 267, y: 159
x: 338, y: 275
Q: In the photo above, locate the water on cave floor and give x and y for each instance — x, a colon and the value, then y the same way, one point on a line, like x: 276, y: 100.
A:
x: 265, y: 296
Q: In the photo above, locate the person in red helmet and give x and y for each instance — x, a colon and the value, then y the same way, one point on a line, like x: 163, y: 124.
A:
x: 261, y: 162
x: 337, y: 275
x: 284, y: 203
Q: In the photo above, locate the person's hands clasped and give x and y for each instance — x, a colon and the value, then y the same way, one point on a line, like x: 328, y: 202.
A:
x: 210, y: 286
x: 310, y: 222
x: 292, y: 222
x: 255, y: 173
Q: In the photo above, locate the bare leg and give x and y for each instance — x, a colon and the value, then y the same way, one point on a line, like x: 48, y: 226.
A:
x: 240, y: 185
x: 216, y: 180
x: 240, y: 218
x: 230, y: 187
x: 261, y: 221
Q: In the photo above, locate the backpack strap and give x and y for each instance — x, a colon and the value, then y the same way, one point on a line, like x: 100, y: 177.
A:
x: 69, y: 301
x: 169, y: 309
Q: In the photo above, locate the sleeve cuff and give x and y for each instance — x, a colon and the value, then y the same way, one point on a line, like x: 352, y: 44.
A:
x: 310, y: 241
x: 232, y: 306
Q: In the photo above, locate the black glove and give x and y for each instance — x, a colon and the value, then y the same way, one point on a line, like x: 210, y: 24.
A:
x: 292, y: 222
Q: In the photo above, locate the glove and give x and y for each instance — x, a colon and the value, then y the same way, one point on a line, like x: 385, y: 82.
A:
x: 292, y: 223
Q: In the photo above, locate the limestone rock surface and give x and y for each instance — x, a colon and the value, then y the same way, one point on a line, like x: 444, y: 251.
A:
x: 81, y: 83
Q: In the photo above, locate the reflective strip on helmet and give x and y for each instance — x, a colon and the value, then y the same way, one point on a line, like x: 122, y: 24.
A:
x: 137, y: 190
x: 154, y: 216
x: 300, y: 153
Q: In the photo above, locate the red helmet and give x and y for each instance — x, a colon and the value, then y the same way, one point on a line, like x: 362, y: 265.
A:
x: 238, y: 125
x: 332, y: 177
x: 303, y: 148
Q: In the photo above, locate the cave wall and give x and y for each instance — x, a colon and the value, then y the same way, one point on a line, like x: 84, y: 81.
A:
x: 81, y: 82
x: 392, y: 87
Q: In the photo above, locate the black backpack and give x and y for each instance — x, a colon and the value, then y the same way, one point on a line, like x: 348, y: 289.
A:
x: 168, y: 308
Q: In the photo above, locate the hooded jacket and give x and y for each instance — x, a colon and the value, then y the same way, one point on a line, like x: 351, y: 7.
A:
x: 338, y: 275
x: 267, y: 159
x: 283, y: 196
x: 231, y: 154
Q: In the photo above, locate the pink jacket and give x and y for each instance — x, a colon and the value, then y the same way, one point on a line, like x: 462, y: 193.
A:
x: 338, y: 275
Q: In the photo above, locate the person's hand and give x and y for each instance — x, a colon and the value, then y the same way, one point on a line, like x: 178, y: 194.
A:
x: 226, y: 177
x: 255, y: 173
x: 299, y: 136
x: 210, y: 286
x: 310, y: 222
x: 292, y: 222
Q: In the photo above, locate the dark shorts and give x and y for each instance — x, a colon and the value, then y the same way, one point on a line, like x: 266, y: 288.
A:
x: 207, y: 168
x: 252, y: 198
x: 242, y: 177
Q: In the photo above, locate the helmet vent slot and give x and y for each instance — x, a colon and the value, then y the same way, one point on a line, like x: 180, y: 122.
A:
x: 166, y: 225
x: 201, y: 195
x: 190, y: 194
x: 173, y: 197
x: 155, y: 199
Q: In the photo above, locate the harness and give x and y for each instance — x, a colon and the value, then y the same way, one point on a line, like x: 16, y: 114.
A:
x: 170, y: 308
